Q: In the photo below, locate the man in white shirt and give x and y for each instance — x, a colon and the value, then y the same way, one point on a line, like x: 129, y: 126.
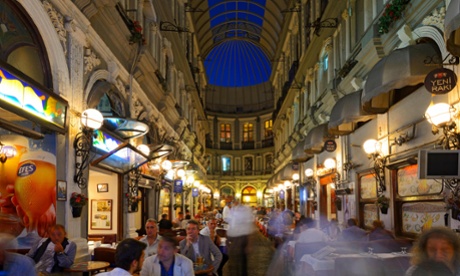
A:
x: 152, y: 238
x: 129, y: 257
x: 167, y: 261
x: 226, y: 211
x: 311, y: 234
x: 240, y: 227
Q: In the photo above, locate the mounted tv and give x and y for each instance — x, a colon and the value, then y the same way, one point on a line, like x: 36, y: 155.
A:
x: 439, y: 164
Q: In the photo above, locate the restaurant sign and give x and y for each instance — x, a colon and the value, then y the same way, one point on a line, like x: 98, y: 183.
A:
x: 195, y: 192
x: 330, y: 145
x: 440, y: 81
x: 24, y: 98
x: 178, y: 186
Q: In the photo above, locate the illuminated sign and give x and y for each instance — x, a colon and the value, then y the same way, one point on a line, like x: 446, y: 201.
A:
x: 107, y: 143
x: 32, y: 100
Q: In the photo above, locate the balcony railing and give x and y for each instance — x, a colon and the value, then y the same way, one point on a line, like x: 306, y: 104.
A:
x: 247, y: 145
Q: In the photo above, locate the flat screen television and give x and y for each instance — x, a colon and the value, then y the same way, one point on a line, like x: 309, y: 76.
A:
x: 439, y: 164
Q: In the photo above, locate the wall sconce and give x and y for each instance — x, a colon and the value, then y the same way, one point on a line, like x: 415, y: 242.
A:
x: 373, y: 149
x: 330, y: 163
x: 309, y: 173
x: 3, y: 156
x: 441, y: 115
x: 91, y: 119
x: 295, y: 177
x: 287, y: 184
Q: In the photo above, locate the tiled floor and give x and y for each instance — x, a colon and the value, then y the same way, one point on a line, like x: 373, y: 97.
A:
x: 259, y: 259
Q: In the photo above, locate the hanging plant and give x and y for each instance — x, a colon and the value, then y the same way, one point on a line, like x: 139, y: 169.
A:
x: 383, y: 203
x: 393, y: 11
x: 136, y: 33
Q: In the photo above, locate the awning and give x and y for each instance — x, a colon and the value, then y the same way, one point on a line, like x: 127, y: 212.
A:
x: 451, y: 24
x: 282, y: 175
x: 346, y: 113
x: 298, y: 153
x: 314, y: 142
x: 402, y: 68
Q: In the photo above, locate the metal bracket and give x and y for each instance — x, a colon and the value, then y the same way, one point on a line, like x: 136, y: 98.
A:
x: 434, y: 61
x: 170, y: 27
x: 326, y: 23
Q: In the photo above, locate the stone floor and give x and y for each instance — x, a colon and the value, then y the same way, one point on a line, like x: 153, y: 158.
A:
x: 259, y: 259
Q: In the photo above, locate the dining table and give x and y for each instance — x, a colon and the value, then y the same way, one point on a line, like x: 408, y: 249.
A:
x: 87, y: 267
x: 330, y: 264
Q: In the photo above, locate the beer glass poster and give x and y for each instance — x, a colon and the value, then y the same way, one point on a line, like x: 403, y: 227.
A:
x: 27, y: 186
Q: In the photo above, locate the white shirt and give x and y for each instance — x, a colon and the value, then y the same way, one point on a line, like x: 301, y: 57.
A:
x: 116, y: 272
x: 205, y: 231
x: 312, y: 235
x: 151, y: 249
x: 183, y: 266
x: 225, y: 212
x: 240, y: 221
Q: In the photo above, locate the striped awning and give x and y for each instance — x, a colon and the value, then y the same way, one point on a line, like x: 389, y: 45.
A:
x: 451, y: 25
x: 314, y: 142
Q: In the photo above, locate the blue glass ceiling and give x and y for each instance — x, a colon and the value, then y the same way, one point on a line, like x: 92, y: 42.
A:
x: 237, y: 59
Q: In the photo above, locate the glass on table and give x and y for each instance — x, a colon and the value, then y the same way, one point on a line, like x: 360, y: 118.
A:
x: 370, y: 250
x: 403, y: 250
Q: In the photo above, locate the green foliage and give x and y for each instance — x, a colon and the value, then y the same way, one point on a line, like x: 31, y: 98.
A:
x: 393, y: 11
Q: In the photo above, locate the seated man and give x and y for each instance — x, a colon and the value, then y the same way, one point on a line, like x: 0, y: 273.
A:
x: 195, y: 245
x: 14, y: 263
x: 311, y: 234
x: 129, y: 257
x: 379, y: 232
x: 167, y: 261
x: 55, y: 253
x: 352, y: 232
x: 152, y: 238
x: 210, y: 231
x: 165, y: 223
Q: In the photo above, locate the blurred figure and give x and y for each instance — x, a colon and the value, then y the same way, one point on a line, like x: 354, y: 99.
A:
x: 129, y: 257
x: 379, y: 232
x: 177, y: 221
x: 311, y: 234
x: 438, y: 244
x: 55, y: 253
x: 152, y: 238
x: 13, y: 263
x: 183, y: 223
x: 165, y: 223
x: 226, y: 210
x: 241, y: 226
x: 195, y: 245
x: 167, y: 261
x: 352, y: 232
x: 333, y: 230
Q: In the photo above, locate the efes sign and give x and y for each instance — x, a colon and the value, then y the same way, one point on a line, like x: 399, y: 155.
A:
x: 440, y: 81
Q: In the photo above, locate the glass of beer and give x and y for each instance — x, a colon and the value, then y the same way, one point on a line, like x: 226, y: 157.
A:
x: 35, y: 185
x: 14, y: 146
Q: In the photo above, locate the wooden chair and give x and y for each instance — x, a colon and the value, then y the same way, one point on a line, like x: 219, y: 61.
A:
x: 105, y: 254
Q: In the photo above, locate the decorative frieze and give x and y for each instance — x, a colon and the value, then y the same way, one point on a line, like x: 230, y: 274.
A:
x: 90, y: 60
x: 436, y: 18
x: 58, y: 22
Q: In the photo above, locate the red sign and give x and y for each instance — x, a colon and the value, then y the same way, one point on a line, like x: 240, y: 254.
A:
x: 440, y: 81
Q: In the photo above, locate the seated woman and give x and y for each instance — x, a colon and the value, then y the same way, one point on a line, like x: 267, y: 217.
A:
x: 379, y: 232
x: 55, y: 253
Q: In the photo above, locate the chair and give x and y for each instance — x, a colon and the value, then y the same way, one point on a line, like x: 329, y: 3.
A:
x: 105, y: 254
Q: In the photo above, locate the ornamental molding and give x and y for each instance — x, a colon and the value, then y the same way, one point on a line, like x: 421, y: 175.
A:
x: 58, y: 22
x: 436, y: 18
x: 91, y: 60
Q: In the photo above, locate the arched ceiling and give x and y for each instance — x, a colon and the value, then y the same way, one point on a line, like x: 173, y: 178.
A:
x: 237, y: 41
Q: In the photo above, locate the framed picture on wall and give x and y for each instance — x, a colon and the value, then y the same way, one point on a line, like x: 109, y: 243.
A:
x: 101, y: 214
x: 61, y: 191
x: 102, y: 187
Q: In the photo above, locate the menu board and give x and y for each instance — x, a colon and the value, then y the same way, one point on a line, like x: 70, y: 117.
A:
x: 101, y: 214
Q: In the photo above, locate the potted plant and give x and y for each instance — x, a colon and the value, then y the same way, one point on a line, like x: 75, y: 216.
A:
x: 383, y: 203
x: 77, y: 202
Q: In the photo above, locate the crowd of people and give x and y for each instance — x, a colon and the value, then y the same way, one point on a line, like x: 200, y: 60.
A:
x: 435, y: 252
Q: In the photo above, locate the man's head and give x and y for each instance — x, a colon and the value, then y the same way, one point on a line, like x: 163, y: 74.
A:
x: 167, y: 247
x: 129, y: 254
x: 57, y: 233
x: 352, y: 222
x: 193, y: 229
x: 212, y: 224
x: 151, y: 228
x: 180, y: 215
x: 164, y: 216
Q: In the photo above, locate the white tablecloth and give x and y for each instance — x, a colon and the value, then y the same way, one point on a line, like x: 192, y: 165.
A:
x: 328, y: 263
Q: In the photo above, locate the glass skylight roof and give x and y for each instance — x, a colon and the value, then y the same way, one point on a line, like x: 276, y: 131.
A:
x: 237, y: 58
